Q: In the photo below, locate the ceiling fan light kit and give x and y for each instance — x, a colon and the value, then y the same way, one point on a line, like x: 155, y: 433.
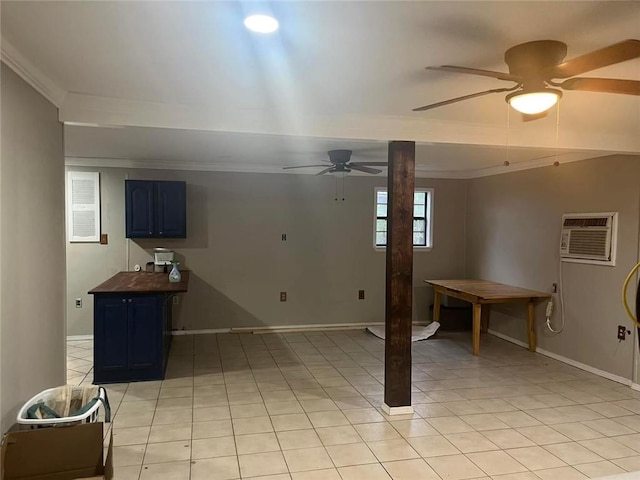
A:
x: 531, y: 102
x: 339, y: 173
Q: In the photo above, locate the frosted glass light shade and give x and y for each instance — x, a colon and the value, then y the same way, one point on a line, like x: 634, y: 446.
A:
x: 533, y: 102
x: 261, y: 23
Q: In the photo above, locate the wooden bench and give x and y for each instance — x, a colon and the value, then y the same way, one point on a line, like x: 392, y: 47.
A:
x: 481, y: 294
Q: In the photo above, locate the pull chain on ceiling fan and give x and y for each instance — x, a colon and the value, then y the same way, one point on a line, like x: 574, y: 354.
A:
x: 533, y: 66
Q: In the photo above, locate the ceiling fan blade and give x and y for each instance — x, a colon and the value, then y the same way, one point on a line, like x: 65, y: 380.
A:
x: 322, y: 172
x: 616, y: 53
x: 605, y: 85
x: 303, y: 166
x: 370, y: 164
x: 476, y: 71
x: 465, y: 97
x: 360, y: 168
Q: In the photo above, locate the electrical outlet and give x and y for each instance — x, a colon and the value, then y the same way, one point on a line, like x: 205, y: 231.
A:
x: 622, y: 332
x: 78, y: 303
x: 283, y: 296
x: 554, y: 288
x: 176, y: 299
x: 360, y: 294
x: 284, y: 237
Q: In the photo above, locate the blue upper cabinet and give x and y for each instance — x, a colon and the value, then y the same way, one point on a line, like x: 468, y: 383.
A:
x: 156, y: 209
x: 140, y: 207
x: 171, y: 212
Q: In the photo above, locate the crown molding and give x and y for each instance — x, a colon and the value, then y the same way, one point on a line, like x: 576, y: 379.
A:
x: 102, y: 162
x: 145, y: 164
x: 31, y: 74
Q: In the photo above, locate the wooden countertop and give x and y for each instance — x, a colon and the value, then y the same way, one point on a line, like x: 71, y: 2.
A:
x: 142, y: 282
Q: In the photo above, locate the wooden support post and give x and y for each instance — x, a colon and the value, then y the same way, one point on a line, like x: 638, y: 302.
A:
x: 399, y: 283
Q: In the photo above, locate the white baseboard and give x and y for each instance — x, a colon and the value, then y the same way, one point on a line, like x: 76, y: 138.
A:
x: 265, y: 329
x: 206, y: 331
x: 508, y: 338
x: 71, y: 338
x: 316, y: 327
x: 303, y: 328
x: 568, y: 361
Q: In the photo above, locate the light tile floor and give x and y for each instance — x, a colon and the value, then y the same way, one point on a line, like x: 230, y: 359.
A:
x: 305, y: 406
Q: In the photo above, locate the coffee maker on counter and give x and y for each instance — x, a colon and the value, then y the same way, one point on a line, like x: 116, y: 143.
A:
x: 162, y: 259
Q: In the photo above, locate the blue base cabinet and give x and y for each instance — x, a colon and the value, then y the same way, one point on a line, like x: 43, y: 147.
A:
x: 132, y: 336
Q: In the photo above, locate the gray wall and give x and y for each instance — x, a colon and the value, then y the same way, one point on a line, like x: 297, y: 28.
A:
x: 513, y: 229
x: 32, y: 265
x: 503, y: 228
x: 239, y: 263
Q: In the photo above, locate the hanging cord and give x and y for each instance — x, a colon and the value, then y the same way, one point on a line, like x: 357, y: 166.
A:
x: 550, y: 305
x: 625, y: 287
x: 556, y: 162
x: 506, y: 137
x: 549, y: 312
x: 339, y: 178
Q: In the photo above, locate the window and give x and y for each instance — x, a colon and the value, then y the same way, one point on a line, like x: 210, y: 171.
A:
x: 422, y: 214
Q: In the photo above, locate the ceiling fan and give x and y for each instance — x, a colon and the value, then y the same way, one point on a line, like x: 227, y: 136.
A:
x: 533, y: 66
x: 341, y: 163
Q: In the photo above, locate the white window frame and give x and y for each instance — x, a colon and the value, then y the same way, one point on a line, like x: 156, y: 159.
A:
x: 93, y: 177
x: 429, y: 199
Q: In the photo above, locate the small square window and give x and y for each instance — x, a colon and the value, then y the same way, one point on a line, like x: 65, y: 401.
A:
x: 422, y: 213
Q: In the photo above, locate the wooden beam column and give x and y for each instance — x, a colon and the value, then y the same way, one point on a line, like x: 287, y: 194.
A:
x: 399, y: 278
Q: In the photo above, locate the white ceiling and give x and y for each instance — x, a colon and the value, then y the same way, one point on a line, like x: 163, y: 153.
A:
x: 193, y: 87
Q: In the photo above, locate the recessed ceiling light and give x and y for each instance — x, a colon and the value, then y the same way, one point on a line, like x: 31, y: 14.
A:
x: 261, y: 23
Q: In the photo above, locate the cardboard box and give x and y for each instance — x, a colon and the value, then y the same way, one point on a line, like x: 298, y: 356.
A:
x: 57, y: 453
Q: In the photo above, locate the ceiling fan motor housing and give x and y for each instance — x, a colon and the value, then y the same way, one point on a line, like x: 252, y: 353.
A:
x: 529, y: 59
x: 339, y: 157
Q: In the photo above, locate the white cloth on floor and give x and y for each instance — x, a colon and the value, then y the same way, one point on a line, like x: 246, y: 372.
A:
x: 417, y: 332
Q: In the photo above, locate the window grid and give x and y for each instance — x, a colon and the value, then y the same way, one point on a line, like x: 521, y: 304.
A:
x: 420, y: 218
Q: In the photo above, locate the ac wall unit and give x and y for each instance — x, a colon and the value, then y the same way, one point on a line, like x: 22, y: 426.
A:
x: 589, y: 238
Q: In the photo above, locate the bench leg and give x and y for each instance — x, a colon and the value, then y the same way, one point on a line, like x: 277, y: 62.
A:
x: 477, y: 318
x: 437, y: 296
x: 531, y: 325
x: 486, y: 308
